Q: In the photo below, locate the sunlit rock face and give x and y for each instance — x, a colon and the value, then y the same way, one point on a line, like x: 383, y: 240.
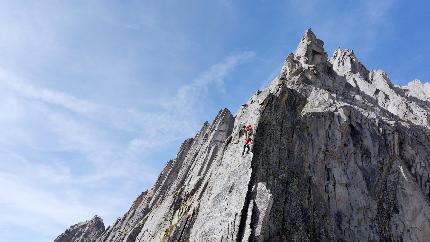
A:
x: 339, y: 154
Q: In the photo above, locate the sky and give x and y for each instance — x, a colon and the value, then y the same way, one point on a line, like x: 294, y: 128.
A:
x: 96, y: 96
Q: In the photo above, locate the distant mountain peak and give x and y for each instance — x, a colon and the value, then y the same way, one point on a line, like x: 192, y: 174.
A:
x: 87, y: 231
x: 418, y: 89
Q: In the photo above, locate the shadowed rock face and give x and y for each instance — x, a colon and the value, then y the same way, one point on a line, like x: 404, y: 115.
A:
x: 340, y: 154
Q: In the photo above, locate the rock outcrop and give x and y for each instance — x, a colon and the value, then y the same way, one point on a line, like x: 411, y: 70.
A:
x: 339, y: 154
x: 87, y: 231
x: 418, y: 89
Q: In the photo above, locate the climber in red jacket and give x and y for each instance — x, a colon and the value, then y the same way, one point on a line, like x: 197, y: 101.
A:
x: 248, y: 138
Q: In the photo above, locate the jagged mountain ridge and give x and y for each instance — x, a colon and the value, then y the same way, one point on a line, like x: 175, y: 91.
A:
x: 340, y: 153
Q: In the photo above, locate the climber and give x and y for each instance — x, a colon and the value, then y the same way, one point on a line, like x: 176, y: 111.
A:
x: 248, y: 138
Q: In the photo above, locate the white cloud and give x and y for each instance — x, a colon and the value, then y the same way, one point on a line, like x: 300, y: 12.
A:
x: 18, y: 195
x: 16, y: 84
x: 189, y: 96
x: 64, y: 158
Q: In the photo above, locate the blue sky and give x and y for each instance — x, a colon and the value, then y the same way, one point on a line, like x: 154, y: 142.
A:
x: 96, y: 96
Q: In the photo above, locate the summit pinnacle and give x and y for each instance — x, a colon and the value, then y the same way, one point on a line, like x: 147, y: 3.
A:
x: 311, y: 49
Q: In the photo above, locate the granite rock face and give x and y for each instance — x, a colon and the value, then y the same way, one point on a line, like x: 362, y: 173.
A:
x: 87, y: 231
x: 339, y: 154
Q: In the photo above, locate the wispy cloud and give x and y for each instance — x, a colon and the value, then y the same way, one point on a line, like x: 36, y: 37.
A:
x: 76, y: 78
x: 26, y: 90
x: 190, y: 95
x: 75, y: 152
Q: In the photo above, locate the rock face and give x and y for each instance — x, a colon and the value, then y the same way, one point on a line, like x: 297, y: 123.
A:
x: 339, y: 154
x: 87, y: 231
